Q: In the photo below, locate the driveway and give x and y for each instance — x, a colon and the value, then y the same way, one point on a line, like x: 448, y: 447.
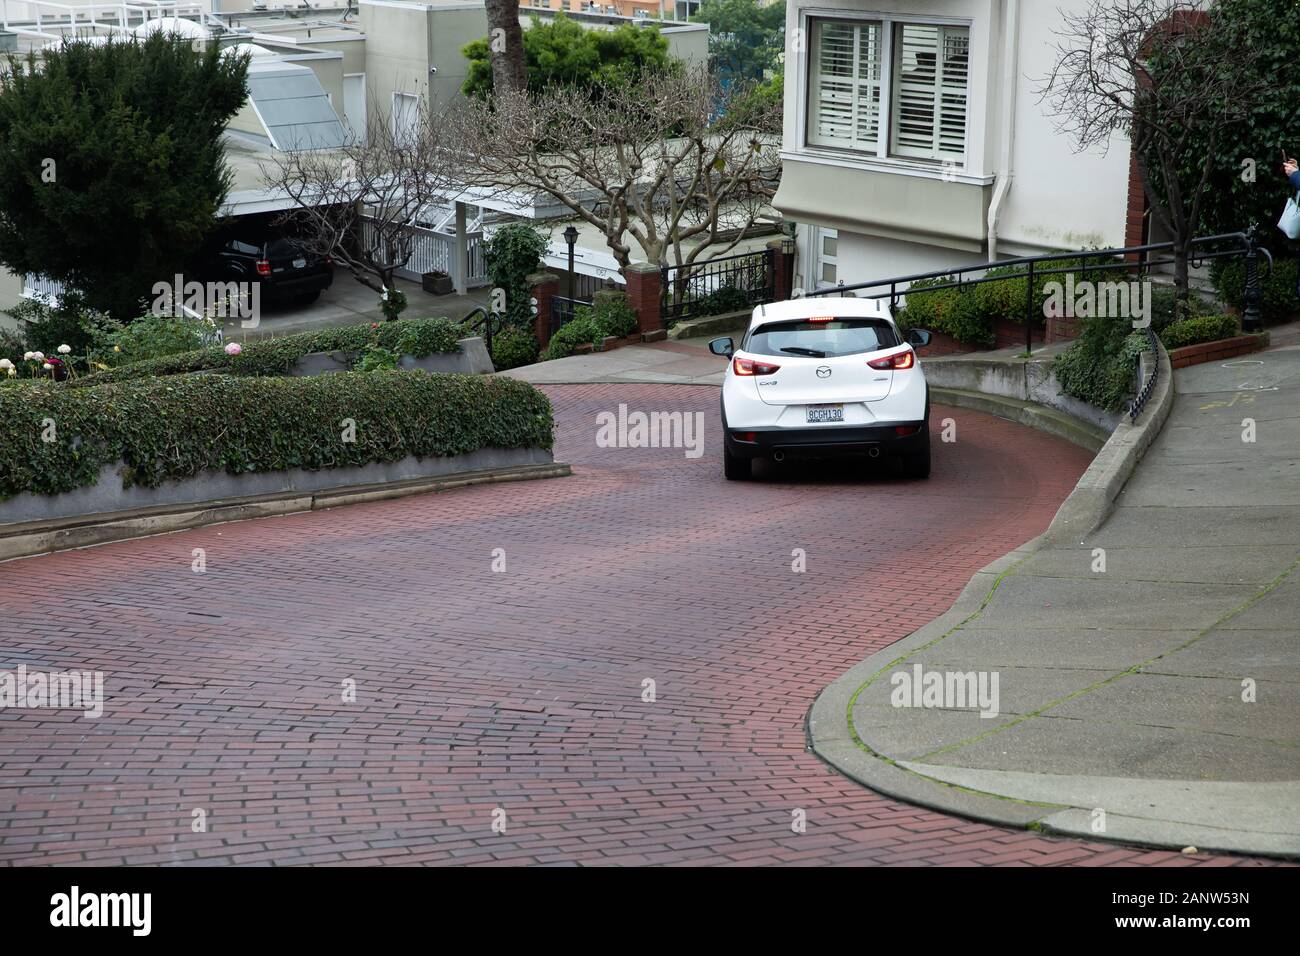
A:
x: 614, y: 667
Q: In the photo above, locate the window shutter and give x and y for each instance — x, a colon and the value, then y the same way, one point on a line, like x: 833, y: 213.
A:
x: 845, y: 90
x: 931, y: 77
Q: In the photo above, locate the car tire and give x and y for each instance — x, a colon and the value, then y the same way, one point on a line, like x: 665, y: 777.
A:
x: 736, y: 468
x: 916, y: 465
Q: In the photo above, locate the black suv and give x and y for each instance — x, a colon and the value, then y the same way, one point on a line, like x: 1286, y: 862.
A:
x: 287, y: 272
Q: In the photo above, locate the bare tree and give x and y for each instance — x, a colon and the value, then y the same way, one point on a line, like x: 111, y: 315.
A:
x: 1163, y: 76
x: 356, y: 203
x: 506, y: 46
x: 673, y: 163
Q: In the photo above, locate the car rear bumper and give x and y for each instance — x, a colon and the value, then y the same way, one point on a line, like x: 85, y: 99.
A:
x: 292, y: 286
x: 828, y: 442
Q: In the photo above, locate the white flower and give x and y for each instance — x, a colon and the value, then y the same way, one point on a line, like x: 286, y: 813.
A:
x: 38, y: 356
x: 5, y: 363
x: 28, y: 356
x: 65, y: 349
x: 13, y: 373
x: 47, y: 365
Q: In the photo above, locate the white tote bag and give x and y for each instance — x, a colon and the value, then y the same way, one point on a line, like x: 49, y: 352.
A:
x: 1290, y: 221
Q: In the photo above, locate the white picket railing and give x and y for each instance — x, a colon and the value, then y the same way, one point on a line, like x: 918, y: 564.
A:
x: 434, y: 252
x: 43, y: 288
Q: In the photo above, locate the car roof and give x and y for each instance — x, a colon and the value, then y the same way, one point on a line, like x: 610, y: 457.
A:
x: 843, y: 307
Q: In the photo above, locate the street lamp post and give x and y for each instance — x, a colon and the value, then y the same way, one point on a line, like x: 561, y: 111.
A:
x: 570, y: 237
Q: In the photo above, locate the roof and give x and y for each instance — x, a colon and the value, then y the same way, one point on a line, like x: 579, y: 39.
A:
x: 293, y: 107
x: 846, y: 307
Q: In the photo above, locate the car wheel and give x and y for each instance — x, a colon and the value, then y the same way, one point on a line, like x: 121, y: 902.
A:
x: 736, y: 468
x: 916, y: 465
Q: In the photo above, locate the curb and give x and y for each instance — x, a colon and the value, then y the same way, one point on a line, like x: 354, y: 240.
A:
x: 34, y: 538
x: 833, y: 738
x: 1030, y: 414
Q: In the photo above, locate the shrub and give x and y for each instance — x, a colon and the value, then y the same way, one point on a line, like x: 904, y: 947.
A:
x: 1278, y: 300
x: 579, y: 330
x: 512, y: 254
x: 150, y: 337
x: 418, y: 337
x: 615, y: 314
x: 1205, y: 328
x: 171, y: 429
x: 724, y: 299
x: 513, y: 347
x: 950, y: 311
x: 1099, y: 368
x: 43, y: 328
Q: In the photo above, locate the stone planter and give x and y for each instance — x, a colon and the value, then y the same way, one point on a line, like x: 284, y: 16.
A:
x: 436, y: 283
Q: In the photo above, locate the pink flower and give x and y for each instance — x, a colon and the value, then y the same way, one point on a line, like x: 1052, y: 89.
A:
x: 233, y: 348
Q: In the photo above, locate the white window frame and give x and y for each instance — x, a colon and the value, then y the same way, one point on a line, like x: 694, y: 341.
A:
x: 968, y: 170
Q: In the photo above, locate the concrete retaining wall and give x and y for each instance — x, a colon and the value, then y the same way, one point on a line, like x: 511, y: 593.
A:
x: 107, y: 496
x: 1025, y: 380
x: 472, y: 359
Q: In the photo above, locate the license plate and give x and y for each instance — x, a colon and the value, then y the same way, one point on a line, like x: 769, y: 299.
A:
x: 300, y: 263
x: 825, y: 413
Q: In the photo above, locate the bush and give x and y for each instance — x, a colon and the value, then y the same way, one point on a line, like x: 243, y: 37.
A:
x: 1205, y: 328
x: 418, y: 337
x: 512, y: 254
x: 150, y: 337
x: 722, y: 300
x: 1100, y: 367
x: 579, y: 330
x: 614, y: 313
x: 43, y: 328
x: 952, y: 312
x: 1278, y: 301
x: 171, y: 429
x: 513, y: 347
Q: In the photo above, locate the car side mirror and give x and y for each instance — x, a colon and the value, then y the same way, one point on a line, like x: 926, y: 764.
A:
x: 723, y: 347
x: 918, y: 338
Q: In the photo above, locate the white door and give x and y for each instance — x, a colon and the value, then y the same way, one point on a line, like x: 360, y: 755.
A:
x: 825, y: 258
x: 354, y: 104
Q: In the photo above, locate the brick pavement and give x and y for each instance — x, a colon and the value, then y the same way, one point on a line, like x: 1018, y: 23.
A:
x: 519, y: 690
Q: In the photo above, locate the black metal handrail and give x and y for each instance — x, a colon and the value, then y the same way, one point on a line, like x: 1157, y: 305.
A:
x: 1115, y: 259
x: 485, y: 323
x: 1148, y: 389
x: 563, y: 309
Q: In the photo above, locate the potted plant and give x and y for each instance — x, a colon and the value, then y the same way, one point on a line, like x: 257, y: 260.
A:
x: 437, y: 283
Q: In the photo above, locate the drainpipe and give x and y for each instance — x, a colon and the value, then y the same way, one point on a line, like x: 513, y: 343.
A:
x: 1010, y: 84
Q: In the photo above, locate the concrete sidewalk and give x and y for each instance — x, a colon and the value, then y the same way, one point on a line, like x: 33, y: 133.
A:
x: 1148, y: 678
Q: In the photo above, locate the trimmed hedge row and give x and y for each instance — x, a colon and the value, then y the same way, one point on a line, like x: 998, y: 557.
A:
x: 1194, y: 331
x: 275, y: 356
x: 968, y: 314
x: 166, y: 429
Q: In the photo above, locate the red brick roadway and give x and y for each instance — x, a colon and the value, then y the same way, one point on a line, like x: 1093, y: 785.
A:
x: 520, y: 690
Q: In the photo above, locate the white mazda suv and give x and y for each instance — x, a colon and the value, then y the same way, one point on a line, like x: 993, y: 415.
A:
x: 824, y: 377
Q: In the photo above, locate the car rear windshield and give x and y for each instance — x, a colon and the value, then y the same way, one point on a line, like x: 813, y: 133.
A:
x: 284, y: 248
x: 822, y: 339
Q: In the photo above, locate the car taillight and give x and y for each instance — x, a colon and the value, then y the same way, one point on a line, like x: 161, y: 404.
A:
x: 902, y: 431
x: 895, y: 362
x: 263, y: 267
x: 747, y: 437
x: 744, y: 366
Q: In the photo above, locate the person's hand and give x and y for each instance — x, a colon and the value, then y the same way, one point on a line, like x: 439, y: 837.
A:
x: 1289, y: 167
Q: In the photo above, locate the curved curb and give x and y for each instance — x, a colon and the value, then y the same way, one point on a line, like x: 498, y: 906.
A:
x: 1030, y: 414
x: 36, y: 538
x: 832, y: 736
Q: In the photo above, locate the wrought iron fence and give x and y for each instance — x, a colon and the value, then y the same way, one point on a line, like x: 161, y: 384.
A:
x: 1147, y: 389
x: 563, y: 310
x: 725, y: 284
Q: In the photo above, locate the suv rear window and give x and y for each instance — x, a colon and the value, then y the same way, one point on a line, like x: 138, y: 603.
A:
x: 284, y: 248
x: 822, y: 339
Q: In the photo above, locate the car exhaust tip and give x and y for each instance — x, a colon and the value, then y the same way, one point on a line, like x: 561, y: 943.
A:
x: 874, y: 452
x: 778, y: 456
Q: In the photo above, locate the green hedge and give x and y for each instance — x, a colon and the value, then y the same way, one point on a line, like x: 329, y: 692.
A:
x: 969, y: 314
x: 1205, y: 328
x: 175, y: 428
x: 1278, y: 300
x: 275, y: 356
x: 609, y: 315
x: 1100, y: 367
